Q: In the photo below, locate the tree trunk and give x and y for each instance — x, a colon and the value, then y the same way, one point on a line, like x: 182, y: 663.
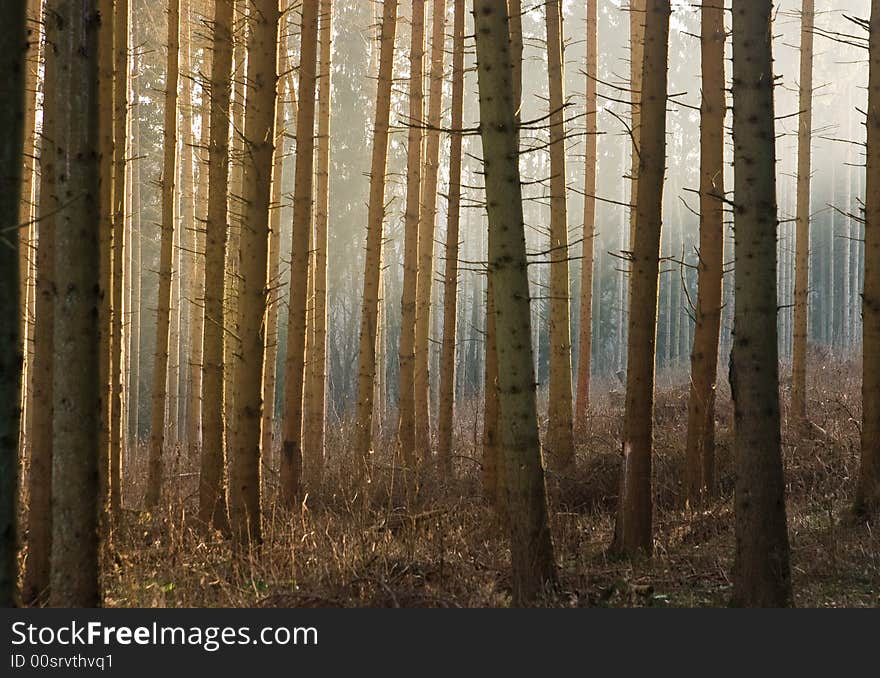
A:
x: 406, y: 429
x: 802, y: 244
x: 212, y: 488
x: 867, y: 500
x: 259, y: 139
x: 136, y: 267
x: 375, y: 221
x: 13, y: 64
x: 314, y: 440
x: 73, y: 28
x: 585, y: 338
x: 533, y: 566
x: 427, y: 224
x: 163, y: 312
x: 450, y: 283
x: 35, y: 586
x: 304, y: 174
x: 560, y: 443
x: 761, y: 570
x: 633, y: 533
x: 700, y: 450
x: 120, y: 148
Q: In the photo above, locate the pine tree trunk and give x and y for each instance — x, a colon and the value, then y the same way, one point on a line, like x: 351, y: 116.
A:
x: 13, y: 64
x: 560, y: 443
x: 406, y: 430
x: 136, y: 267
x: 35, y: 586
x: 375, y: 221
x: 585, y: 338
x: 77, y: 391
x: 802, y: 244
x: 259, y: 133
x: 427, y: 225
x: 120, y: 148
x: 314, y: 441
x: 633, y: 534
x: 700, y: 450
x: 450, y: 283
x: 761, y: 569
x: 533, y: 566
x: 159, y: 398
x: 867, y: 500
x: 294, y: 368
x: 212, y: 488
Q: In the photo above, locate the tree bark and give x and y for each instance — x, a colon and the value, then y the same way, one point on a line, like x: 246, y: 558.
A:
x: 633, y: 533
x: 163, y: 312
x: 867, y: 499
x: 304, y: 174
x: 259, y: 138
x: 375, y: 221
x: 700, y: 449
x: 73, y: 28
x: 585, y: 337
x: 212, y: 486
x: 761, y: 570
x: 533, y: 567
x: 450, y: 283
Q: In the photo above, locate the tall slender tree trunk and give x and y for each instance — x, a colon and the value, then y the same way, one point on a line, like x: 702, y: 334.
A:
x: 450, y: 283
x: 294, y: 369
x: 406, y: 429
x: 13, y: 64
x: 73, y: 28
x: 212, y: 488
x: 761, y: 570
x: 163, y: 311
x: 560, y: 442
x: 106, y: 63
x: 802, y: 244
x: 120, y: 159
x: 259, y: 132
x: 867, y: 499
x: 136, y: 267
x: 633, y: 534
x: 316, y: 389
x: 35, y: 586
x: 700, y: 450
x: 532, y: 561
x: 585, y: 337
x: 375, y: 221
x: 427, y: 224
x: 269, y: 382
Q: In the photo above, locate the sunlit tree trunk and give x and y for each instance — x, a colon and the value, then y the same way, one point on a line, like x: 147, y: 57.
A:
x: 427, y: 224
x: 375, y: 221
x: 450, y: 283
x: 120, y: 158
x: 700, y: 451
x: 163, y: 312
x: 259, y: 132
x: 585, y: 338
x: 406, y: 429
x: 761, y: 569
x: 134, y: 377
x: 212, y: 488
x: 35, y: 586
x: 13, y: 64
x: 802, y: 242
x: 633, y: 534
x: 533, y: 566
x: 560, y: 443
x: 294, y: 369
x: 867, y: 500
x: 72, y: 27
x: 317, y: 359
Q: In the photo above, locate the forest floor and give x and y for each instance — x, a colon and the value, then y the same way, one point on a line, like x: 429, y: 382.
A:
x: 448, y: 550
